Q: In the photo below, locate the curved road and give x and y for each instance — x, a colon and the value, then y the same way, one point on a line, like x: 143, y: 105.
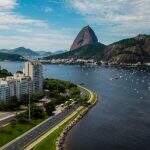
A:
x: 33, y: 134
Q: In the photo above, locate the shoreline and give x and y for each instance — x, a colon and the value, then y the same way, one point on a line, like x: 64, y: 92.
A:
x: 72, y: 119
x: 61, y: 139
x: 125, y: 66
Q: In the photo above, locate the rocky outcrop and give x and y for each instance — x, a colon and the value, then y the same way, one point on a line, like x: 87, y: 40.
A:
x: 86, y: 36
x: 130, y: 50
x: 126, y: 51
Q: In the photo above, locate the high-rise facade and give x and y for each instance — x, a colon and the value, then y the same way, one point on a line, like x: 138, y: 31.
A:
x: 4, y: 90
x: 17, y: 85
x: 28, y: 81
x: 34, y: 70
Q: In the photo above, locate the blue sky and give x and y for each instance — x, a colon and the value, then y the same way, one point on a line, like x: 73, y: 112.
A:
x: 52, y: 25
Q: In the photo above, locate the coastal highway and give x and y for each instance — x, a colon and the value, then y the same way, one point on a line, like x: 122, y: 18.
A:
x: 7, y: 117
x: 5, y: 120
x: 21, y: 142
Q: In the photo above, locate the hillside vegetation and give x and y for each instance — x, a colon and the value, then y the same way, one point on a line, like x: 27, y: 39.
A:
x: 11, y: 57
x: 91, y: 51
x: 131, y: 50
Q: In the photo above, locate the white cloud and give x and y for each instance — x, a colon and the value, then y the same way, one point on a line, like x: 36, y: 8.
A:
x: 112, y: 10
x: 11, y: 20
x: 119, y: 16
x: 36, y: 42
x: 7, y: 4
x: 18, y: 30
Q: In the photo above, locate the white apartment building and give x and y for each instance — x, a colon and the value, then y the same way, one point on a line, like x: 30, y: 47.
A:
x: 15, y: 86
x: 23, y: 84
x: 4, y: 90
x: 31, y: 80
x: 34, y: 70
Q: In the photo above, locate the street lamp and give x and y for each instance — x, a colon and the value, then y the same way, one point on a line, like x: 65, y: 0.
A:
x: 29, y: 105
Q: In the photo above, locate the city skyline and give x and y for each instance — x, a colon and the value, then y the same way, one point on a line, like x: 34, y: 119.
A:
x: 53, y: 24
x: 29, y: 80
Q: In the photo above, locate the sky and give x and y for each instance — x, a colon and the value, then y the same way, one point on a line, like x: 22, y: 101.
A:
x: 51, y: 25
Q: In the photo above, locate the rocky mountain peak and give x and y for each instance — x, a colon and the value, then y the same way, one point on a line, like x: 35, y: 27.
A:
x: 86, y: 36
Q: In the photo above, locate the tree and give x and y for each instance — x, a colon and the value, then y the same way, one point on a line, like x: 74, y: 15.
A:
x: 59, y: 85
x: 37, y: 112
x: 3, y: 106
x: 4, y: 73
x: 74, y: 92
x: 35, y: 97
x: 13, y: 103
x: 50, y: 107
x: 22, y: 118
x: 24, y: 100
x: 83, y: 100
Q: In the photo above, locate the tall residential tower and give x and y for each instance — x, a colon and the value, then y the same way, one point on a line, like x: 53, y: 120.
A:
x: 34, y: 70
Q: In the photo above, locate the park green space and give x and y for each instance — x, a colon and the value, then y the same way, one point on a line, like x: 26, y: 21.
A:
x: 49, y: 143
x: 16, y: 129
x: 59, y: 92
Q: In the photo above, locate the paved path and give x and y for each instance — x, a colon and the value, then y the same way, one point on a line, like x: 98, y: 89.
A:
x: 5, y: 118
x: 32, y: 145
x: 83, y: 90
x: 21, y: 142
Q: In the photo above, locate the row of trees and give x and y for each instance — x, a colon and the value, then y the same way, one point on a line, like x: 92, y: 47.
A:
x: 14, y: 103
x: 57, y: 85
x: 57, y: 91
x: 4, y: 73
x: 61, y: 91
x: 36, y: 113
x: 70, y: 92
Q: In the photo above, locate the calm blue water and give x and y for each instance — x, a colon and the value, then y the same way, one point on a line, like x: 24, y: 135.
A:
x: 121, y: 118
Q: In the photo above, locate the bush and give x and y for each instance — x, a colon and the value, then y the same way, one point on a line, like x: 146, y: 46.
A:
x: 4, y: 73
x: 23, y: 118
x: 50, y: 107
x: 11, y: 105
x: 57, y: 85
x: 74, y: 92
x: 37, y: 112
x: 83, y: 100
x: 36, y: 96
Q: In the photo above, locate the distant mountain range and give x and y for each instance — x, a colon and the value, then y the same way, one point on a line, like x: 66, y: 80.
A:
x: 20, y: 51
x: 26, y: 53
x: 11, y: 57
x: 86, y: 46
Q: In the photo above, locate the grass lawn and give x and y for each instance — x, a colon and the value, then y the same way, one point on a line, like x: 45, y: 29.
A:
x: 12, y: 131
